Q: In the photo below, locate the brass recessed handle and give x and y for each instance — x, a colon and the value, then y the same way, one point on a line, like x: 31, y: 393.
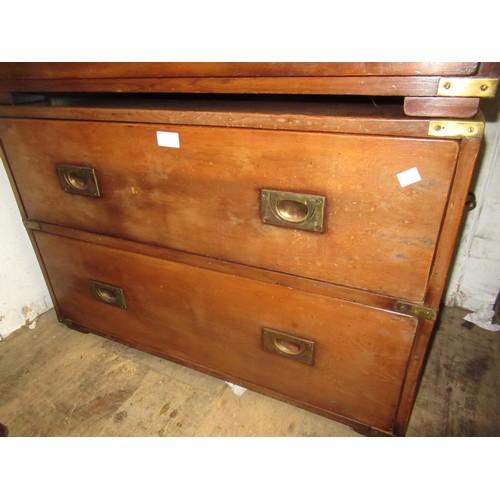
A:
x: 287, y: 345
x: 108, y: 294
x: 292, y: 210
x: 78, y: 180
x: 298, y: 210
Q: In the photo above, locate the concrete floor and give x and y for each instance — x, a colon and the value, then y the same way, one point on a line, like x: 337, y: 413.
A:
x: 59, y: 382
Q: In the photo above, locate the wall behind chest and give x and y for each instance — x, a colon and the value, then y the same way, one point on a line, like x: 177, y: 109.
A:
x: 23, y: 293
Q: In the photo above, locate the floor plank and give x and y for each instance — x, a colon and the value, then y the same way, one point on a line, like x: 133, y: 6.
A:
x: 59, y: 382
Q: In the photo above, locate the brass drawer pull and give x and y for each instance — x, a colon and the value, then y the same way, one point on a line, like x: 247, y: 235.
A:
x: 301, y: 211
x: 288, y: 345
x: 109, y: 294
x: 78, y: 180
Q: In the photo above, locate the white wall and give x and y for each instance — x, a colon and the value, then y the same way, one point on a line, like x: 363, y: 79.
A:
x: 23, y: 293
x: 475, y: 280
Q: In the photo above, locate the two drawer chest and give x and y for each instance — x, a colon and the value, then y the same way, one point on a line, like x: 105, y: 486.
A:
x: 287, y: 227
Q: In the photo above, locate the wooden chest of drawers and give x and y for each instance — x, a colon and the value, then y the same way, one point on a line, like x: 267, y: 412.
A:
x: 296, y: 248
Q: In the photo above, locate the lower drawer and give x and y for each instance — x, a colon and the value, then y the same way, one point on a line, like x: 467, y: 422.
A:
x: 342, y: 358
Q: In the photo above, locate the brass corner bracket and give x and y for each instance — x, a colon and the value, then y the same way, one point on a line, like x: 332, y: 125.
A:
x: 418, y: 311
x: 467, y: 87
x: 454, y: 128
x: 31, y: 224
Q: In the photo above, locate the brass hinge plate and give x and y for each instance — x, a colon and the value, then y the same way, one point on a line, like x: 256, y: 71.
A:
x: 454, y: 128
x: 467, y: 87
x: 31, y: 224
x: 416, y: 310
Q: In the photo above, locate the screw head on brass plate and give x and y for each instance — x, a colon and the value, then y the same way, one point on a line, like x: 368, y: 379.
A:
x: 467, y: 87
x: 455, y: 128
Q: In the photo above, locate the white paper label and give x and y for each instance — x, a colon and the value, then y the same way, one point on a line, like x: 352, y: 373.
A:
x: 168, y: 139
x: 409, y: 176
x: 237, y: 389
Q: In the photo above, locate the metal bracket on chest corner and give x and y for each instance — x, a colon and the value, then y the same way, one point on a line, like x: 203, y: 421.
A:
x: 453, y: 128
x: 420, y: 312
x: 467, y: 87
x: 31, y: 224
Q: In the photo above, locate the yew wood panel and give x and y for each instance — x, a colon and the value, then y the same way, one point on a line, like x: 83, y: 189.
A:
x: 204, y: 197
x: 325, y: 85
x: 31, y: 70
x: 374, y: 119
x: 214, y: 320
x: 449, y: 107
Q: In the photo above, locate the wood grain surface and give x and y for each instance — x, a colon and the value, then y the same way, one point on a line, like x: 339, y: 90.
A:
x: 372, y: 118
x: 449, y: 107
x: 215, y: 320
x: 204, y: 197
x: 31, y: 70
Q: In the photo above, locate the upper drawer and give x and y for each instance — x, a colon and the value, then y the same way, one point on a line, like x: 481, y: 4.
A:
x: 205, y: 196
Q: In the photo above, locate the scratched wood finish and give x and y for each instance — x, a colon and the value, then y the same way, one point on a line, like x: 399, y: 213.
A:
x: 320, y: 85
x: 372, y: 119
x: 30, y: 70
x: 299, y: 282
x: 359, y: 78
x: 215, y: 321
x: 204, y: 197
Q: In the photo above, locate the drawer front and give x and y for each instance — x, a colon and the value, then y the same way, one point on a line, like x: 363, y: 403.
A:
x: 343, y: 357
x: 44, y: 71
x: 209, y: 196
